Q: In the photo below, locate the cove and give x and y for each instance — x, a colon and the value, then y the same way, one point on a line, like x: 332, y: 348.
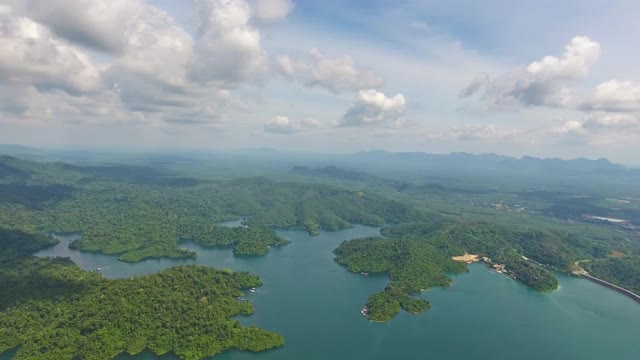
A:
x: 314, y: 303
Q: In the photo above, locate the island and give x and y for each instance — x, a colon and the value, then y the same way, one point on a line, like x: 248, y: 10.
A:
x: 51, y: 306
x: 417, y: 256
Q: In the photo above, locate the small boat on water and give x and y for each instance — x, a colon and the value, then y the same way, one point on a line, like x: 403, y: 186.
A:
x: 252, y: 290
x: 99, y: 269
x: 365, y: 273
x: 364, y: 311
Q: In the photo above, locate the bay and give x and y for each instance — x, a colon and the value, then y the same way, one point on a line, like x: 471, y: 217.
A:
x: 314, y: 303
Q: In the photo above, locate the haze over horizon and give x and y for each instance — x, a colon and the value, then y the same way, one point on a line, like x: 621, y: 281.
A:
x: 324, y: 76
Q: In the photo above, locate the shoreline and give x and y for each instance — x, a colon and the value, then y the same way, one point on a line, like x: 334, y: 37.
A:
x: 621, y: 290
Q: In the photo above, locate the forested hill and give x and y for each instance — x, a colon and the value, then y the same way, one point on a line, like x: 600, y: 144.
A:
x: 139, y: 212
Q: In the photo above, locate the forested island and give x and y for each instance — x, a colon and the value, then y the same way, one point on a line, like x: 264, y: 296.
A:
x: 52, y: 309
x: 416, y: 256
x: 412, y: 265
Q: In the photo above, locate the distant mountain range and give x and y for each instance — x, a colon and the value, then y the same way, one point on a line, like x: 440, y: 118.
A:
x: 487, y: 162
x: 359, y: 164
x: 14, y: 150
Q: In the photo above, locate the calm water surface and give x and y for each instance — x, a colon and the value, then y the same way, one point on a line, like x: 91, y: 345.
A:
x: 315, y: 304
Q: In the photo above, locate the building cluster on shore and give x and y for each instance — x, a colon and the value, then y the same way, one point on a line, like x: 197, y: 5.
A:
x: 499, y: 268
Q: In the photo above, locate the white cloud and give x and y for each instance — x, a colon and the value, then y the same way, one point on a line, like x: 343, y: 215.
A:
x: 228, y: 46
x: 334, y: 74
x: 614, y: 96
x: 157, y: 48
x: 375, y: 108
x: 284, y: 125
x: 579, y: 55
x: 152, y: 68
x: 541, y: 83
x: 30, y: 107
x: 31, y: 55
x: 609, y: 121
x: 601, y: 128
x: 483, y: 132
x: 97, y: 24
x: 271, y: 10
x: 284, y: 65
x: 340, y: 74
x: 570, y: 128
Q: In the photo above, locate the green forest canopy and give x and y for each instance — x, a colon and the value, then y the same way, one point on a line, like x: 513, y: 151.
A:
x: 136, y: 218
x: 417, y: 256
x: 140, y: 212
x: 52, y: 309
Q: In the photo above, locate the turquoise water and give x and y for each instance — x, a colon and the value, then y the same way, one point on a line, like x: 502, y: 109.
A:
x: 315, y: 304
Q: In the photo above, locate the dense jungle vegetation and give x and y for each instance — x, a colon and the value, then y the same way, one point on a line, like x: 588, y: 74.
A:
x: 52, y: 309
x: 624, y: 272
x: 417, y: 255
x: 412, y: 265
x: 133, y: 213
x: 141, y: 212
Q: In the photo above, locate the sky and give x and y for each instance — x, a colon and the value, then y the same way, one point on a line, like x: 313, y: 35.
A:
x: 542, y: 78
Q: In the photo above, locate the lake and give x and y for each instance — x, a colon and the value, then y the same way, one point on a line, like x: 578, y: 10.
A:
x: 315, y: 304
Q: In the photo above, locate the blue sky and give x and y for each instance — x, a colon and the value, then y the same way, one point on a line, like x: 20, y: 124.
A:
x: 543, y: 78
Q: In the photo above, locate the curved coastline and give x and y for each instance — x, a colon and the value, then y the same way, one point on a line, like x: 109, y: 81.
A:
x: 611, y: 286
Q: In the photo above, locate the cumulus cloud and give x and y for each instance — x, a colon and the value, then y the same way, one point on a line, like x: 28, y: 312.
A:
x: 95, y: 24
x: 334, y: 74
x: 228, y: 46
x: 614, y: 96
x: 600, y: 128
x: 594, y: 129
x: 541, y: 83
x: 570, y: 128
x: 271, y: 10
x: 157, y: 48
x: 151, y: 69
x: 339, y: 74
x: 31, y: 55
x: 284, y: 125
x: 483, y: 132
x: 603, y: 120
x: 375, y: 108
x: 29, y: 106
